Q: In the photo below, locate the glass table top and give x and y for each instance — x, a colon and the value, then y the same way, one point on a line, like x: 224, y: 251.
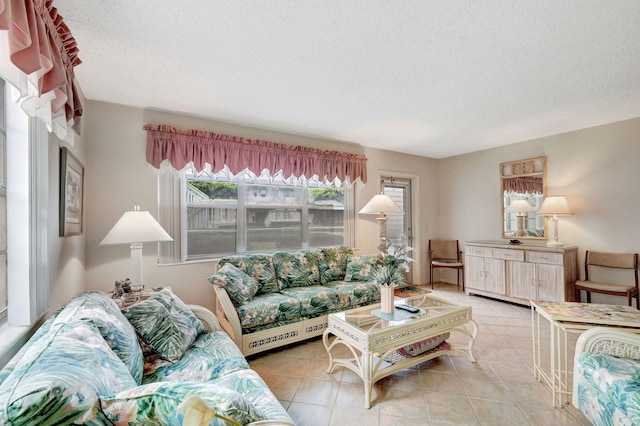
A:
x: 369, y: 318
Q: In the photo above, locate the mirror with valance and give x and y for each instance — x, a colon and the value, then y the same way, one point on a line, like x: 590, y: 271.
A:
x: 523, y: 189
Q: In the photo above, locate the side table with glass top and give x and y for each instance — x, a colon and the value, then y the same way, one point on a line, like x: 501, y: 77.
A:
x: 373, y: 339
x: 570, y: 317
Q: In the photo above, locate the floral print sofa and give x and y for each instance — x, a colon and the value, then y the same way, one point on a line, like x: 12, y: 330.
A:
x: 606, y: 378
x: 267, y: 301
x: 91, y: 363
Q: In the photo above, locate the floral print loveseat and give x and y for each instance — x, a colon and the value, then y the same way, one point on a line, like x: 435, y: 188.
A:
x: 266, y: 301
x: 606, y: 378
x: 85, y: 365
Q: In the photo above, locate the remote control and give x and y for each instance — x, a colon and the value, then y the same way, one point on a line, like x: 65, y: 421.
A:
x: 408, y: 308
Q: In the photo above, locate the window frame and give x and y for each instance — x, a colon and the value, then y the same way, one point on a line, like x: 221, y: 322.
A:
x: 172, y: 203
x: 27, y: 148
x: 4, y: 304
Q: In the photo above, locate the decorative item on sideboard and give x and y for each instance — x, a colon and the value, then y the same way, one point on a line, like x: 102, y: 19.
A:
x: 522, y: 208
x: 554, y: 206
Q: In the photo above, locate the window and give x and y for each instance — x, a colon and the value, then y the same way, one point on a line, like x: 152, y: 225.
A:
x: 25, y: 196
x: 221, y: 214
x: 3, y: 206
x: 225, y: 216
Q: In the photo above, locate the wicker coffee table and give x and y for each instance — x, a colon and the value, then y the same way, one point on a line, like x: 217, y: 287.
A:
x: 374, y: 339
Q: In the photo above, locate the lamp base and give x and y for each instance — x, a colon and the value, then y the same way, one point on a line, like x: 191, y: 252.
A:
x: 553, y: 238
x: 136, y: 264
x: 382, y: 233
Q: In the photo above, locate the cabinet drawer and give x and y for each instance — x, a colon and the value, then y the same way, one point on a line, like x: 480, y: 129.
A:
x: 544, y: 257
x: 508, y: 254
x: 479, y: 251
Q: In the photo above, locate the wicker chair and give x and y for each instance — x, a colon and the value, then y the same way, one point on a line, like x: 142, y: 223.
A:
x: 445, y: 254
x: 626, y: 261
x: 605, y: 376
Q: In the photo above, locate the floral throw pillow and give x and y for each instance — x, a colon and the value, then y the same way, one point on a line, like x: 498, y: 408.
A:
x: 240, y: 286
x: 359, y: 268
x: 296, y: 269
x: 333, y: 263
x: 258, y: 266
x: 165, y: 323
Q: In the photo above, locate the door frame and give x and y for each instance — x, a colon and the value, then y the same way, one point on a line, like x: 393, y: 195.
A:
x: 408, y: 183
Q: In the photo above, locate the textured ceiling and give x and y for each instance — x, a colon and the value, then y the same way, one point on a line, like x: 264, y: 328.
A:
x: 432, y: 78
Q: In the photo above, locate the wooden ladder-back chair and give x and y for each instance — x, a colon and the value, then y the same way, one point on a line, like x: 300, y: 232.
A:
x: 614, y: 261
x: 445, y: 254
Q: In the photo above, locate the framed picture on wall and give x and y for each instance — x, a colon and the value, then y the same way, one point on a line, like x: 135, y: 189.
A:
x: 71, y: 194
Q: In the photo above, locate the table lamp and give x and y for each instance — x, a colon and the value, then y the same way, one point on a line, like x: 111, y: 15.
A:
x: 134, y: 228
x: 554, y: 206
x: 521, y: 207
x: 381, y: 204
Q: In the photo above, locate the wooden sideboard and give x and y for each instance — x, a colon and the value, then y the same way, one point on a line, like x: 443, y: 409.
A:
x: 519, y: 273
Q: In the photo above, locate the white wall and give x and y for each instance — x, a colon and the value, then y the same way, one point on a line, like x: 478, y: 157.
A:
x: 66, y: 254
x: 597, y: 169
x: 118, y: 177
x: 458, y: 197
x: 423, y: 173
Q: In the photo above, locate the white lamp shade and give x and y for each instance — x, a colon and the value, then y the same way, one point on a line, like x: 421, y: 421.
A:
x: 519, y: 206
x: 381, y: 203
x: 555, y: 206
x: 135, y: 227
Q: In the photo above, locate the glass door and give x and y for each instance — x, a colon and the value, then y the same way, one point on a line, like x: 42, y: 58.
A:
x: 399, y: 225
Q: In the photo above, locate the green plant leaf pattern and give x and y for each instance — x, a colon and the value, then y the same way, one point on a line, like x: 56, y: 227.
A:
x: 99, y: 309
x: 61, y: 375
x: 268, y: 308
x: 211, y: 356
x: 315, y: 300
x: 239, y: 286
x: 258, y: 266
x: 609, y: 389
x: 297, y: 269
x: 165, y: 323
x: 332, y: 262
x: 360, y: 267
x: 157, y: 404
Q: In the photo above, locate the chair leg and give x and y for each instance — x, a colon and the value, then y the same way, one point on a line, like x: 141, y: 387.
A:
x: 588, y: 297
x: 462, y: 272
x: 431, y: 276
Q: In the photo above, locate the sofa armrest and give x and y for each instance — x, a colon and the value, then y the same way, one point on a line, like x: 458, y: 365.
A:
x: 604, y: 340
x: 207, y: 317
x: 199, y: 412
x: 228, y: 316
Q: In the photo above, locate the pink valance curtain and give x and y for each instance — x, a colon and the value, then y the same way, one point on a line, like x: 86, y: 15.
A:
x: 182, y: 147
x: 524, y: 185
x: 38, y: 55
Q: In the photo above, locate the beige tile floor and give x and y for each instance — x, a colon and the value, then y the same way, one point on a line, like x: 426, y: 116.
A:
x: 499, y: 389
